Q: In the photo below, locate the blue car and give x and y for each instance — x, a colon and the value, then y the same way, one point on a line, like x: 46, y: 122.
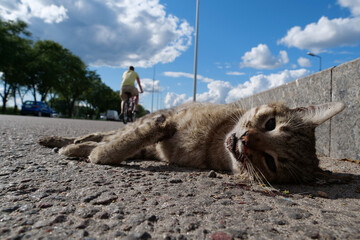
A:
x: 36, y: 108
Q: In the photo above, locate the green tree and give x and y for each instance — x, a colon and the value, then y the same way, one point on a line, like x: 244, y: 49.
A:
x: 141, y: 111
x: 48, y: 57
x: 72, y: 82
x: 99, y: 96
x: 47, y: 68
x: 14, y: 48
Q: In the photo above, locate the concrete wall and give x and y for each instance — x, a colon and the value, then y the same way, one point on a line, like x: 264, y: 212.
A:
x: 339, y: 137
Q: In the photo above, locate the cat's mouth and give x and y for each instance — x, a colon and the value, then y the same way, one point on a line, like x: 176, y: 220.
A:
x: 233, y: 146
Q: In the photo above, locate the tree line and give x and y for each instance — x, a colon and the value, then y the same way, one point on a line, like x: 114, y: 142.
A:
x: 48, y: 70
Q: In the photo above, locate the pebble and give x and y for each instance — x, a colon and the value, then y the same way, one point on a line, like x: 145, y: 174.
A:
x: 262, y: 208
x: 175, y: 181
x: 212, y: 174
x: 220, y: 236
x: 103, y: 215
x: 322, y: 194
x: 138, y: 236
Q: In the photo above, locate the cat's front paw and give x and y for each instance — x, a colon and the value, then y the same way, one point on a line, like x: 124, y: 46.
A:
x: 96, y: 155
x: 78, y: 150
x: 101, y: 155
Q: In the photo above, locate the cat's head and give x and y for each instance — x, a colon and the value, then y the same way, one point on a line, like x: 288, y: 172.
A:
x: 276, y: 143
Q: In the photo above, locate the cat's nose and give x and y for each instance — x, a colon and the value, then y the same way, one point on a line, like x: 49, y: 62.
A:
x: 244, y: 138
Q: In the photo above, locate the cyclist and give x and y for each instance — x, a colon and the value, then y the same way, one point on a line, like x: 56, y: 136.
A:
x: 128, y: 85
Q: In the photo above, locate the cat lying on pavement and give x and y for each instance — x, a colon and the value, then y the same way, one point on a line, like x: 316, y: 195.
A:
x: 271, y: 143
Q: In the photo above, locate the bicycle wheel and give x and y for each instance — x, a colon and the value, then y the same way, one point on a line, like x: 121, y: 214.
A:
x: 133, y: 116
x: 126, y: 113
x: 131, y: 112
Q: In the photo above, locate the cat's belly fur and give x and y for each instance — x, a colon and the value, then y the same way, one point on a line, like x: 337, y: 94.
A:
x: 200, y: 136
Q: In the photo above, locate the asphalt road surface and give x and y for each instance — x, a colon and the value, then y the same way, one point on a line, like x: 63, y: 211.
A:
x: 45, y: 196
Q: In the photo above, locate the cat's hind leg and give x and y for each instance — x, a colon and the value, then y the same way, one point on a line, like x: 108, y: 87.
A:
x: 132, y: 141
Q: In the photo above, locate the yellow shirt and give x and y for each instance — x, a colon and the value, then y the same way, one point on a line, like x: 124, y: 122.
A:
x: 128, y: 78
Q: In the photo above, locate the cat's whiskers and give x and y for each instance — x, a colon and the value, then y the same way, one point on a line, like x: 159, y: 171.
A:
x: 236, y: 117
x: 258, y: 178
x: 263, y: 181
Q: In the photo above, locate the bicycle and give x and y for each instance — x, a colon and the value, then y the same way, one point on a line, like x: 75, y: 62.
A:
x: 129, y: 115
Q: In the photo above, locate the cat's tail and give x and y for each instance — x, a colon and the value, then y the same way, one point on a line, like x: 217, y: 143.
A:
x: 55, y: 141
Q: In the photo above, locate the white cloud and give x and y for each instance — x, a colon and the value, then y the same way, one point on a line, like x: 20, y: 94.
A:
x: 324, y: 34
x: 173, y: 99
x: 354, y: 6
x: 224, y: 92
x: 188, y: 75
x: 260, y: 57
x: 259, y: 83
x: 235, y: 73
x: 149, y: 85
x: 27, y: 9
x: 217, y: 93
x: 304, y: 62
x: 178, y: 74
x: 115, y: 33
x: 223, y: 65
x: 327, y: 33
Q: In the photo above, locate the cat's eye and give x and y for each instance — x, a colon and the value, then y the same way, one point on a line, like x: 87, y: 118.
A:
x: 270, y: 124
x: 270, y: 162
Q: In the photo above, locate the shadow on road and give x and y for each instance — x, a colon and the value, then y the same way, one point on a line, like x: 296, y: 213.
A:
x: 342, y: 186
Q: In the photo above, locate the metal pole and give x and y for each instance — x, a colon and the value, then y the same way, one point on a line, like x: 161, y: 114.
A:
x: 196, y: 47
x: 314, y: 55
x: 152, y: 95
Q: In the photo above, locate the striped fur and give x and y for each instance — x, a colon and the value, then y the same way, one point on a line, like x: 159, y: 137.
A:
x: 268, y: 143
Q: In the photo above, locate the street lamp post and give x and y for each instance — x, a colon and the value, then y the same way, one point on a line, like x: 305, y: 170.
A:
x: 196, y: 47
x: 314, y: 55
x: 152, y: 95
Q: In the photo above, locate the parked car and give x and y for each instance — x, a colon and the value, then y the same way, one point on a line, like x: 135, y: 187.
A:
x: 37, y: 108
x: 102, y: 116
x: 54, y: 114
x: 112, y: 115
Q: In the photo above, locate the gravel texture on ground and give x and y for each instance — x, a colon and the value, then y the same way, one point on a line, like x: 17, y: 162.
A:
x: 45, y: 196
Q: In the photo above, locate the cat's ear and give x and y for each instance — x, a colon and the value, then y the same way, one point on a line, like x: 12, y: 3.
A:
x: 320, y: 113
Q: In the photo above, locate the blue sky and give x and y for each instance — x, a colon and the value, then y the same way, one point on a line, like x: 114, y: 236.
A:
x: 244, y: 46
